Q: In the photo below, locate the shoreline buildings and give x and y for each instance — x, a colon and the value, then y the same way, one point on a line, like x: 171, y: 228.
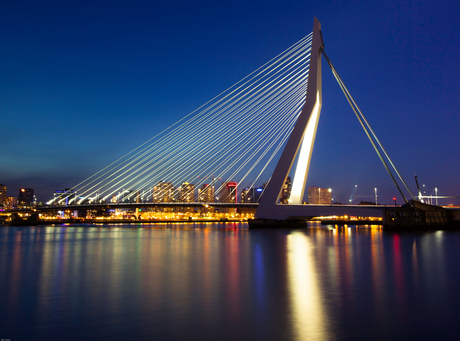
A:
x: 163, y: 192
x: 229, y: 192
x: 26, y: 197
x: 319, y: 196
x: 3, y: 197
x: 206, y: 193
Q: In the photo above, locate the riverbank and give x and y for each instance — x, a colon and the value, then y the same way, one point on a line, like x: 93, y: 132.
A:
x: 137, y: 221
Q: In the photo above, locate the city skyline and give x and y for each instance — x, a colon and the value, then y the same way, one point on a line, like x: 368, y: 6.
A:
x: 83, y: 86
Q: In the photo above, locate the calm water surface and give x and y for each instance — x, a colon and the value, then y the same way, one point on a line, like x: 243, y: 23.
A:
x: 225, y: 282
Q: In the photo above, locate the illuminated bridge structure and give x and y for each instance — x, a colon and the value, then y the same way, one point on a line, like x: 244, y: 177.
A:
x: 300, y: 146
x: 233, y: 141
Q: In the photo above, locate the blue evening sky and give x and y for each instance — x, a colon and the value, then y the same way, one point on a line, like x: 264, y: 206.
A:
x: 84, y: 82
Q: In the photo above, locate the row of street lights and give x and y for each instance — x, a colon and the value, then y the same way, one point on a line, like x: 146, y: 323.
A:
x: 394, y: 198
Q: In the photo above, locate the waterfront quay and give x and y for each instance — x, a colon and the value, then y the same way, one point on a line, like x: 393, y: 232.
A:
x: 169, y: 212
x: 422, y: 217
x: 165, y: 212
x: 143, y: 212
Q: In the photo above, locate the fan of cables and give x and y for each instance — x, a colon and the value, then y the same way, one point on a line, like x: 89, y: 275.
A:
x: 233, y: 137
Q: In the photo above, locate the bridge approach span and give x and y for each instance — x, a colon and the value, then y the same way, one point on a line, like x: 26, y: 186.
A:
x: 306, y: 212
x: 148, y: 205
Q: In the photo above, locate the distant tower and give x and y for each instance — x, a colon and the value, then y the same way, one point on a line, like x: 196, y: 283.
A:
x: 321, y: 196
x: 286, y: 191
x: 163, y: 192
x: 252, y: 195
x: 186, y: 192
x: 2, y: 196
x: 229, y: 193
x: 206, y: 193
x: 26, y: 197
x: 11, y: 203
x: 246, y: 195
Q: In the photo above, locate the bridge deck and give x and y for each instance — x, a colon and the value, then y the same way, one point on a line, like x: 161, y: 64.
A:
x: 284, y: 212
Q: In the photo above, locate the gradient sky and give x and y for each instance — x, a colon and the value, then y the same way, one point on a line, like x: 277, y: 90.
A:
x: 82, y: 83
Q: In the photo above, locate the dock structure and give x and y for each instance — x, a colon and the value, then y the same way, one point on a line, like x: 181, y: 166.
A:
x: 419, y: 216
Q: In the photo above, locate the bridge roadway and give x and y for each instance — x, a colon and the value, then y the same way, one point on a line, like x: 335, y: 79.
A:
x: 108, y: 206
x: 286, y: 212
x: 289, y: 211
x: 283, y: 212
x: 306, y: 211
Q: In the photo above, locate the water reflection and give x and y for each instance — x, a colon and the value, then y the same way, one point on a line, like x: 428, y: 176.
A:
x: 306, y: 297
x: 225, y: 282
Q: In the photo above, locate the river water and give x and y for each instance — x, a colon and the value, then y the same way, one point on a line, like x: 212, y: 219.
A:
x: 225, y: 282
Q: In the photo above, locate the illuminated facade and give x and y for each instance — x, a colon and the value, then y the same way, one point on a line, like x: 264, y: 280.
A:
x: 229, y: 192
x: 252, y: 195
x: 319, y: 196
x: 26, y: 197
x: 186, y: 192
x: 286, y: 191
x: 206, y: 193
x: 3, y: 197
x: 163, y: 192
x: 11, y: 203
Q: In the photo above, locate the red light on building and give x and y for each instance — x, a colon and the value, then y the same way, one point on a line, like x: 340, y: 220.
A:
x: 232, y: 189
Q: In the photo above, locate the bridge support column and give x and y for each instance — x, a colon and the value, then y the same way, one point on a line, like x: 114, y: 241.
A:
x: 302, y: 137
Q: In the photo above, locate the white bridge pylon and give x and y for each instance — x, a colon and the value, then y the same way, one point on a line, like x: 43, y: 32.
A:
x: 300, y: 142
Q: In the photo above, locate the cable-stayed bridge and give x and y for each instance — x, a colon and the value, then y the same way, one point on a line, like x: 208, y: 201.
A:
x: 233, y: 138
x: 232, y: 142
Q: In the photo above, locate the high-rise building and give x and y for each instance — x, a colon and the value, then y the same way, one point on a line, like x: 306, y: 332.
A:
x: 321, y: 196
x: 11, y: 203
x: 229, y: 192
x: 163, y: 192
x: 286, y: 191
x: 252, y: 195
x: 186, y: 192
x: 26, y: 197
x: 206, y: 193
x: 246, y: 195
x: 3, y: 197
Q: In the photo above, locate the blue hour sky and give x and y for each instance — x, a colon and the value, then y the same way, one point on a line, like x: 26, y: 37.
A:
x: 82, y: 83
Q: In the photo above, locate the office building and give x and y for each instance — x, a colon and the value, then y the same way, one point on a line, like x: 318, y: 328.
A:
x: 3, y: 197
x: 26, y: 197
x: 163, y: 192
x: 229, y: 192
x: 11, y: 203
x: 186, y: 192
x: 286, y: 191
x: 252, y: 195
x: 206, y: 193
x: 320, y: 196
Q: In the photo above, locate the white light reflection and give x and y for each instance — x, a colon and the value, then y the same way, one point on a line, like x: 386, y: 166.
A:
x: 307, y: 306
